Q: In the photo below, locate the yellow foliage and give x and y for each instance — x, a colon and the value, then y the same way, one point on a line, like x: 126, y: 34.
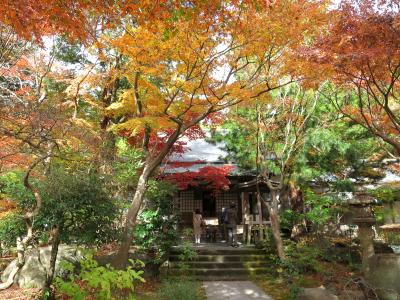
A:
x: 191, y: 65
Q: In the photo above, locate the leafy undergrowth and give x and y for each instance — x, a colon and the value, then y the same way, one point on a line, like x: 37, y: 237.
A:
x: 172, y: 289
x: 311, y: 262
x: 335, y: 277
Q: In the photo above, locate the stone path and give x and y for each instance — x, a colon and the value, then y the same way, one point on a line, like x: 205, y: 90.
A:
x: 233, y: 290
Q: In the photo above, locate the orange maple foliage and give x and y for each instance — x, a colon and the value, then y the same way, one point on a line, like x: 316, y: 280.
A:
x: 83, y: 20
x: 38, y: 18
x: 208, y: 56
x: 361, y: 54
x: 33, y: 120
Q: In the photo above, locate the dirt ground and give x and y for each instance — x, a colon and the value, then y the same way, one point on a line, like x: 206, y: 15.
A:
x: 16, y: 293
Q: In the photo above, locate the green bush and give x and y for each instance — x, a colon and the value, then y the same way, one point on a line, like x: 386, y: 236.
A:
x: 12, y: 187
x: 268, y: 244
x: 100, y: 283
x: 321, y: 208
x: 303, y: 257
x: 289, y: 218
x: 11, y: 226
x: 345, y: 185
x: 79, y: 204
x: 384, y: 194
x: 75, y: 201
x: 155, y: 232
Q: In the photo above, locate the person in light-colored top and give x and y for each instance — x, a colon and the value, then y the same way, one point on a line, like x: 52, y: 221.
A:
x: 232, y: 225
x: 197, y: 222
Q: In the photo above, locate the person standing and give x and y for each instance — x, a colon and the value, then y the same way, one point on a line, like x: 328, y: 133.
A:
x: 223, y: 220
x: 232, y: 225
x: 197, y: 225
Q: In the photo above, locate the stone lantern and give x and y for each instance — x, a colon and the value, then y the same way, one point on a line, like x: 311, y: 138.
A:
x: 363, y: 216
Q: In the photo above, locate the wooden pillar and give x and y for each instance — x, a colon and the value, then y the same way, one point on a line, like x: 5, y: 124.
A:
x: 246, y: 217
x: 260, y: 218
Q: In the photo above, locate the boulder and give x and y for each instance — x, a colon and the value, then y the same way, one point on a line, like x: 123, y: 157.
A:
x: 318, y: 293
x: 384, y: 275
x: 37, y: 262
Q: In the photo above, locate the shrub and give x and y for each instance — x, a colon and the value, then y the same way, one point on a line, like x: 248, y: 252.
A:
x: 268, y: 244
x: 188, y: 254
x: 102, y: 283
x: 305, y: 258
x: 12, y: 225
x: 79, y: 204
x: 384, y: 194
x: 155, y: 232
x: 75, y: 201
x: 321, y: 209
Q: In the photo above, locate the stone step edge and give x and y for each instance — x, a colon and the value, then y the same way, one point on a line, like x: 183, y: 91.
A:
x: 219, y: 264
x: 216, y: 269
x: 224, y: 255
x: 228, y: 249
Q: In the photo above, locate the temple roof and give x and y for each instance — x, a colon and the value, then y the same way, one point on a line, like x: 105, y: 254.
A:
x: 201, y: 153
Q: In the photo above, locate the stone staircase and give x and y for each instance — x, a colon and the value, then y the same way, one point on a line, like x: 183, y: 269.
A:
x: 220, y: 263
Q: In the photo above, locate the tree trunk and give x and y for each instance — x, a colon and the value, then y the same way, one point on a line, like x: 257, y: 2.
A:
x: 276, y: 232
x: 121, y: 259
x: 21, y: 246
x: 150, y: 165
x: 275, y: 224
x: 273, y: 209
x: 366, y: 236
x: 53, y: 258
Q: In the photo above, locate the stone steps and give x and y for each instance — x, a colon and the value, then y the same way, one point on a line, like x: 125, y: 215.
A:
x: 223, y: 258
x: 220, y: 263
x: 223, y: 251
x: 232, y: 273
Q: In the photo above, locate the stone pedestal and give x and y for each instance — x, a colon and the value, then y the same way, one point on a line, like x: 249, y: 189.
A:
x: 366, y: 235
x: 384, y: 275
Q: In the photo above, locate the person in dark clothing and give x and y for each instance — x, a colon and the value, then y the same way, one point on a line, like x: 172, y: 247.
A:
x: 223, y: 220
x: 232, y: 225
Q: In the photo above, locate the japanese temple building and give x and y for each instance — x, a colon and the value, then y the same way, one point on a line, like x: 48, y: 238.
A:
x: 242, y: 189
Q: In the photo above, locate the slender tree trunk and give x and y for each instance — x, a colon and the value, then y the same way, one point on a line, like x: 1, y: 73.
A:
x: 276, y: 232
x: 53, y: 258
x: 21, y: 246
x: 275, y: 225
x: 273, y: 210
x: 121, y: 259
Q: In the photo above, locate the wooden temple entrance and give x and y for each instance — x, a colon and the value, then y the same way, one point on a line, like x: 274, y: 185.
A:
x: 253, y: 217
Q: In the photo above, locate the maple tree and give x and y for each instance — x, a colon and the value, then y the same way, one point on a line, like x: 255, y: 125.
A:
x: 36, y: 126
x: 215, y: 178
x: 360, y: 55
x: 198, y: 63
x: 160, y: 69
x: 36, y: 19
